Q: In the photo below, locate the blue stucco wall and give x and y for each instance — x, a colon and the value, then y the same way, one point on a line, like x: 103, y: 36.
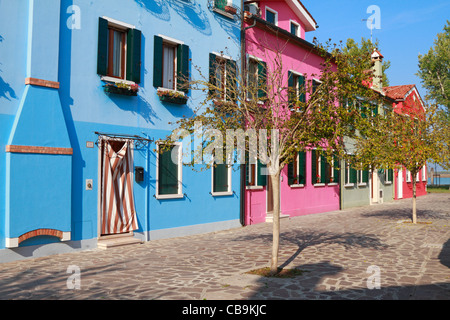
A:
x: 83, y: 108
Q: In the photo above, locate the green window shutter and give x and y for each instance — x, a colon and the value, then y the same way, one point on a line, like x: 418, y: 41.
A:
x: 353, y: 175
x: 301, y: 88
x: 102, y: 54
x: 212, y: 72
x: 231, y: 79
x: 134, y: 55
x: 220, y: 178
x: 167, y: 174
x: 157, y: 62
x: 324, y: 172
x: 302, y: 168
x: 260, y: 177
x: 291, y: 90
x: 313, y: 166
x: 390, y: 175
x: 375, y: 110
x: 290, y: 173
x: 336, y: 170
x: 365, y: 176
x: 262, y: 79
x: 183, y: 68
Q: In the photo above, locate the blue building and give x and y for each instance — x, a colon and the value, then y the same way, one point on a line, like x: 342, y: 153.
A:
x: 87, y: 89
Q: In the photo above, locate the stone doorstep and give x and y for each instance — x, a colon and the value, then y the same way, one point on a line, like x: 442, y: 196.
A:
x: 117, y: 240
x: 269, y: 217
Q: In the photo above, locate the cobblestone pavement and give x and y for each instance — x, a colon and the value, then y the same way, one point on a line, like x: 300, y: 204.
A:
x: 336, y: 250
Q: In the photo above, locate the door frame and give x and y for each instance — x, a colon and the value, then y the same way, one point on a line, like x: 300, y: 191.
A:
x: 400, y: 184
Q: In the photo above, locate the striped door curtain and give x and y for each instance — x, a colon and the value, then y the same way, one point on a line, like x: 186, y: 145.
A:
x: 118, y: 210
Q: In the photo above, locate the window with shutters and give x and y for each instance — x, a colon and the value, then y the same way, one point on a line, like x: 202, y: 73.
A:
x: 119, y: 52
x: 222, y: 77
x: 388, y: 176
x: 255, y: 174
x: 169, y: 172
x: 170, y: 65
x: 296, y: 89
x: 350, y: 175
x: 424, y: 173
x: 256, y: 79
x: 408, y: 176
x: 363, y: 177
x: 221, y: 180
x: 297, y: 171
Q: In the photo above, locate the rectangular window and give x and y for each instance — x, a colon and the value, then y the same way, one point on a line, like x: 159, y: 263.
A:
x: 255, y: 174
x: 170, y: 64
x: 119, y: 51
x: 424, y: 173
x: 388, y: 176
x: 221, y: 180
x: 319, y: 168
x: 351, y: 175
x: 256, y: 79
x: 296, y: 89
x: 408, y: 176
x: 297, y: 170
x: 169, y: 172
x: 363, y: 177
x: 271, y: 16
x: 222, y: 77
x: 295, y: 28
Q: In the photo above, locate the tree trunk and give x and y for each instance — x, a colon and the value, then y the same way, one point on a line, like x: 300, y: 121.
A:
x: 414, y: 213
x: 275, y: 179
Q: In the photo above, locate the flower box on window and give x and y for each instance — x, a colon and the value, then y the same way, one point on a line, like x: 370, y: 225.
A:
x: 122, y: 89
x: 230, y: 9
x: 172, y: 96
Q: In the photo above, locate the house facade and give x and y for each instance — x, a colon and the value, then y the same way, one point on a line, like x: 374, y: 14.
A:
x: 87, y: 91
x: 405, y: 97
x: 309, y: 185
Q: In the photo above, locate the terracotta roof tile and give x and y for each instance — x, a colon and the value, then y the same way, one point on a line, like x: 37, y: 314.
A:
x: 398, y: 92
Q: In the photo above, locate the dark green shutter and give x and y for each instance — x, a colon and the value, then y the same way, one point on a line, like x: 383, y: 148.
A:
x: 134, y: 55
x: 353, y: 175
x: 313, y: 167
x: 291, y: 90
x: 301, y: 88
x: 157, y: 62
x: 212, y: 72
x: 324, y: 172
x: 262, y: 79
x: 231, y: 79
x: 365, y: 176
x: 220, y: 178
x: 291, y: 173
x: 302, y: 168
x: 167, y: 174
x: 183, y: 67
x: 261, y: 176
x: 336, y: 170
x: 390, y: 175
x: 102, y: 54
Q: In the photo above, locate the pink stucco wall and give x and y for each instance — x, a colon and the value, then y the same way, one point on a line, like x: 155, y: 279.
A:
x: 294, y: 201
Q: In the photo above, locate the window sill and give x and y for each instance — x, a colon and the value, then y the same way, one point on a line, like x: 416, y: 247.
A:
x: 297, y: 186
x: 349, y: 185
x: 388, y: 182
x: 364, y: 184
x: 117, y: 80
x: 319, y: 185
x: 221, y: 194
x: 254, y: 187
x: 169, y: 196
x: 224, y: 13
x: 333, y: 184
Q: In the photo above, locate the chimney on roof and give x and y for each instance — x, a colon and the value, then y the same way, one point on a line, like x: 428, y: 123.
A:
x: 377, y: 59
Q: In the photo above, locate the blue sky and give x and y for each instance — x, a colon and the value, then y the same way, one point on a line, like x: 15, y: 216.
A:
x: 407, y: 29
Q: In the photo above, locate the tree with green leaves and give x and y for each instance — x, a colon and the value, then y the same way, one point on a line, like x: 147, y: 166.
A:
x: 434, y: 70
x: 264, y: 118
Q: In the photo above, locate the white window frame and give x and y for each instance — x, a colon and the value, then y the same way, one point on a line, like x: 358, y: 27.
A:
x: 408, y: 176
x: 249, y: 58
x: 292, y: 22
x: 386, y: 176
x: 424, y: 173
x: 229, y: 192
x: 255, y: 186
x: 175, y: 43
x: 359, y: 178
x: 347, y: 182
x: 180, y: 194
x: 318, y: 169
x: 297, y: 185
x: 272, y: 11
x: 225, y: 73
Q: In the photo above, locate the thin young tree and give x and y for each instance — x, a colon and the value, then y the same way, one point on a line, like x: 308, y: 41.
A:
x: 264, y: 118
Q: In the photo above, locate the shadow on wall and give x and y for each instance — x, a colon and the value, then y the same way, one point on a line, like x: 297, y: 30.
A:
x: 191, y: 11
x: 5, y: 89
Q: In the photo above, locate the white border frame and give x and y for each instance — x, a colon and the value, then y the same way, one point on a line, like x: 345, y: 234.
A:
x: 267, y: 8
x: 299, y: 30
x: 180, y: 194
x: 222, y: 193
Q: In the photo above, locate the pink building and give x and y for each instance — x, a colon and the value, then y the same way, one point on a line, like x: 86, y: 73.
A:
x: 405, y: 97
x: 309, y: 185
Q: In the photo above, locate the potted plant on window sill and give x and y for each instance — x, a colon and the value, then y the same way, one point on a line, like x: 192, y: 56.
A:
x: 230, y: 9
x: 172, y: 96
x: 122, y: 88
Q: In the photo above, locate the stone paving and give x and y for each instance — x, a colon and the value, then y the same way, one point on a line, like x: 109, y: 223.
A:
x: 341, y: 253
